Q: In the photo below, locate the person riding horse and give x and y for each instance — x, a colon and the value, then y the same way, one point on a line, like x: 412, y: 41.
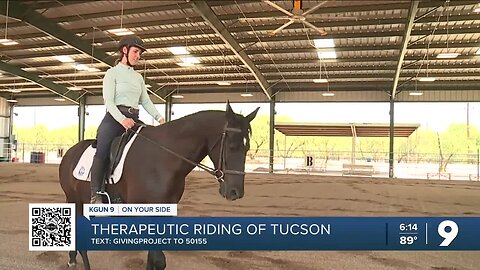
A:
x: 123, y: 90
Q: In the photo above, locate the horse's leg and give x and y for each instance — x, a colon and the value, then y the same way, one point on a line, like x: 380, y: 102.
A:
x: 73, y: 259
x: 86, y: 263
x: 156, y: 260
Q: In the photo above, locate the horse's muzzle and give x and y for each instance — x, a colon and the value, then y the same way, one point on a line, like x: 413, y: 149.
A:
x: 231, y: 194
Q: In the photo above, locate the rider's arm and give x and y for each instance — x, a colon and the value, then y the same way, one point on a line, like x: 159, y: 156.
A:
x: 147, y: 103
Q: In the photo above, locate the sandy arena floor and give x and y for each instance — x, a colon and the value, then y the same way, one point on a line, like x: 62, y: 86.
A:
x: 266, y: 195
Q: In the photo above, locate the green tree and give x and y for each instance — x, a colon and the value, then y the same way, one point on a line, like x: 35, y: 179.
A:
x: 453, y: 141
x: 260, y: 135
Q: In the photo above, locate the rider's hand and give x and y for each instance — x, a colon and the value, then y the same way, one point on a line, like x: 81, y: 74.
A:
x: 161, y: 120
x: 128, y: 123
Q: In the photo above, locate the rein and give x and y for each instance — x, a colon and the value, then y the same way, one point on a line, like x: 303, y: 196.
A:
x: 218, y: 173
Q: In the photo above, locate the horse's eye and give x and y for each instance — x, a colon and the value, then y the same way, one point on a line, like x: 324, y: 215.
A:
x: 244, y: 141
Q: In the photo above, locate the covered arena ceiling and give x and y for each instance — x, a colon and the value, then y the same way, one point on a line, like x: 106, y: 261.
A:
x: 375, y: 48
x: 345, y: 130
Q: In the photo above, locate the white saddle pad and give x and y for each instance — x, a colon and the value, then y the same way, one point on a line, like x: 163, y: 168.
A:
x: 82, y: 170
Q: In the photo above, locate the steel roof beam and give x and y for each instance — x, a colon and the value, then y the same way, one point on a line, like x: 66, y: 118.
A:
x: 209, y: 16
x: 264, y: 38
x: 238, y: 29
x: 305, y: 61
x: 403, y: 49
x: 273, y: 76
x: 47, y: 83
x: 231, y: 70
x: 300, y: 49
x: 379, y: 85
x: 305, y: 77
x: 171, y: 7
x: 22, y: 12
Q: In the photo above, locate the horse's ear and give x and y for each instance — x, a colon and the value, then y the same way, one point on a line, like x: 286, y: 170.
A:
x: 230, y: 113
x: 252, y: 115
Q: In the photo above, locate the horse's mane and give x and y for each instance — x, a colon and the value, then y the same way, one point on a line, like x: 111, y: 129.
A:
x: 207, y: 115
x: 201, y: 114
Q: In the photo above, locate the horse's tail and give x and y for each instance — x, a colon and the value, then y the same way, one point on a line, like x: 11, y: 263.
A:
x: 75, y: 191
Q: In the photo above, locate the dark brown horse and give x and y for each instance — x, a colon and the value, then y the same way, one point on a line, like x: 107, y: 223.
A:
x: 160, y: 159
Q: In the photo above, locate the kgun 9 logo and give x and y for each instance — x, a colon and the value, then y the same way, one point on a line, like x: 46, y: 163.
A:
x: 450, y: 235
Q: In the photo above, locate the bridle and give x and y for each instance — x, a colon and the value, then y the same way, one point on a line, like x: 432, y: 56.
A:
x: 220, y: 172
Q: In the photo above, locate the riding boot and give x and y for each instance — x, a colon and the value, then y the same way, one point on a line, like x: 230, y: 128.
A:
x: 97, y: 178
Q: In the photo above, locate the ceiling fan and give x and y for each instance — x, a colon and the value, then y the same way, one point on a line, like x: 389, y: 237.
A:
x: 297, y: 15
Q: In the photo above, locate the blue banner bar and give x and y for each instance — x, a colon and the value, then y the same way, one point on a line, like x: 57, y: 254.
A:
x: 278, y: 233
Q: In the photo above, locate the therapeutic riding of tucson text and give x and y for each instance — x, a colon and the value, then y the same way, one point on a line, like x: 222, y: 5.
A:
x: 210, y: 229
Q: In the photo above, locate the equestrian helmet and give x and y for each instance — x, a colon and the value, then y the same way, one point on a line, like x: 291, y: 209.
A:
x: 131, y: 40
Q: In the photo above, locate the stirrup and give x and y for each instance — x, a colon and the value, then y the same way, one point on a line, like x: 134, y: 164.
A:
x: 103, y: 193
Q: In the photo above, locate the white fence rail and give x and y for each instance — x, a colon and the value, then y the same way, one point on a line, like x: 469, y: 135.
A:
x: 419, y: 165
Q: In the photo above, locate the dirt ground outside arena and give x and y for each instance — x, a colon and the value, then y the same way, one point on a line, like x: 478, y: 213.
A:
x: 266, y: 195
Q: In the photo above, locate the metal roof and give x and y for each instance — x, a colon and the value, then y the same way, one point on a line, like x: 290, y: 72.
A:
x: 378, y: 44
x: 345, y: 130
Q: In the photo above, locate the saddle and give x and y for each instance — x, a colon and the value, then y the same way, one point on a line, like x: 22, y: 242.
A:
x: 116, y: 149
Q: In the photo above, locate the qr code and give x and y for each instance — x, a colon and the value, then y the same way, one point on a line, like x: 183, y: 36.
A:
x: 51, y: 226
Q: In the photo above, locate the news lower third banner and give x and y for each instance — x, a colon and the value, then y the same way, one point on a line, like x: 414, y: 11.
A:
x: 278, y: 233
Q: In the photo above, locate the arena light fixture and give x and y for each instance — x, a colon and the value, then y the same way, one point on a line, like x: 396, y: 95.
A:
x: 80, y: 67
x: 120, y: 32
x: 64, y: 58
x: 477, y: 8
x: 447, y: 55
x: 415, y: 93
x: 320, y: 79
x: 5, y: 40
x: 148, y: 85
x: 15, y: 91
x: 8, y: 42
x: 74, y: 88
x: 246, y: 93
x: 324, y: 43
x: 179, y: 50
x: 12, y: 100
x: 223, y: 83
x: 426, y: 79
x: 328, y: 94
x: 182, y: 64
x: 59, y: 99
x: 327, y: 54
x: 93, y: 69
x: 188, y: 61
x: 83, y: 67
x: 177, y: 96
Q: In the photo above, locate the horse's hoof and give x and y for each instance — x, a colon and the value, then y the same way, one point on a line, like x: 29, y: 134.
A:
x: 72, y: 265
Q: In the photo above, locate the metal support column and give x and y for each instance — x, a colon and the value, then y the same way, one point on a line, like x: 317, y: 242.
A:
x: 354, y: 144
x: 168, y: 109
x: 81, y: 119
x: 11, y: 139
x: 272, y: 135
x: 392, y: 136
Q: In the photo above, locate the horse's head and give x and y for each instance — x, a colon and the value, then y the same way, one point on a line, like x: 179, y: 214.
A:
x: 229, y: 153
